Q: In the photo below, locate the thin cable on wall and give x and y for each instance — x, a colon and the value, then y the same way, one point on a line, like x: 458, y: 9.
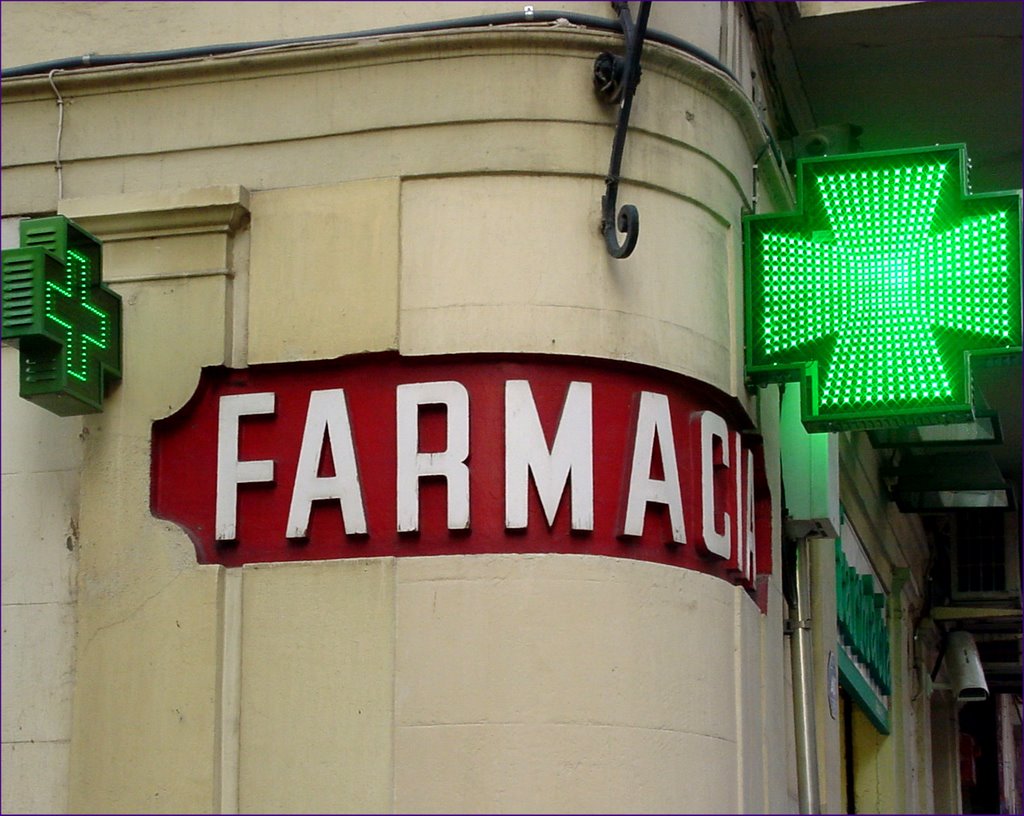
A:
x: 60, y: 133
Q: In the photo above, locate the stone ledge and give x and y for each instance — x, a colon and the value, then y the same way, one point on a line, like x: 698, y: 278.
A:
x: 131, y: 216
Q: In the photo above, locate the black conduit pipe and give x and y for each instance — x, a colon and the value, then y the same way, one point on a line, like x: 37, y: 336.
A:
x: 481, y: 21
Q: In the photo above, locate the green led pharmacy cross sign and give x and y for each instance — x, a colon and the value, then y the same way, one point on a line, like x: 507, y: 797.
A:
x: 66, y: 323
x: 882, y: 287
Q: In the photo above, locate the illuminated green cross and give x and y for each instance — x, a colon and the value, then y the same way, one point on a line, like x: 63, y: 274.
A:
x: 878, y: 291
x: 66, y: 322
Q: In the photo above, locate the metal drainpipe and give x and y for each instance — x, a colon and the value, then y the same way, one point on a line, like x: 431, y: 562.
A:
x: 803, y: 687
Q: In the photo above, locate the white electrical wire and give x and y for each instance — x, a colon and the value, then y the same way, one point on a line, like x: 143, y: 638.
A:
x: 60, y: 133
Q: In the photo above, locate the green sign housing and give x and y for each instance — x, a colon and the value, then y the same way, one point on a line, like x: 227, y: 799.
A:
x: 881, y: 288
x: 864, y: 637
x: 65, y: 321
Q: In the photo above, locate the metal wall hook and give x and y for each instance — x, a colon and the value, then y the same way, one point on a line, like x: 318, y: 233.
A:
x: 615, y: 80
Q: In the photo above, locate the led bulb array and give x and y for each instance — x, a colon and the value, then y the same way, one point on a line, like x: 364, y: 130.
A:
x: 879, y: 298
x: 76, y: 286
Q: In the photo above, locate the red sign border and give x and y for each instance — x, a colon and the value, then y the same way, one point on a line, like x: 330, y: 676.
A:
x: 216, y: 381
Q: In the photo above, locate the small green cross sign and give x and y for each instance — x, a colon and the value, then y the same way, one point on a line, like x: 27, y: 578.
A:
x: 881, y: 288
x: 65, y: 321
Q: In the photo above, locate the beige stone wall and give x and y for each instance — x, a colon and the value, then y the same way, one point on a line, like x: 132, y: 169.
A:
x: 402, y: 195
x: 77, y: 28
x: 149, y: 650
x: 825, y: 640
x: 946, y: 755
x: 890, y: 768
x: 494, y: 683
x: 297, y: 120
x: 447, y: 104
x: 41, y: 456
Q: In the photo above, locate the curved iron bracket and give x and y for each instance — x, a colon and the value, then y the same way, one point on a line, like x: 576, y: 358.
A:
x: 615, y: 81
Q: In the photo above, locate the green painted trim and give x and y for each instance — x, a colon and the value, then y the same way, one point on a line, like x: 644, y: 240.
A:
x: 877, y: 711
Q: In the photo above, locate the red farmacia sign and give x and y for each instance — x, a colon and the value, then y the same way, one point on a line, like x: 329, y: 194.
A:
x: 382, y: 455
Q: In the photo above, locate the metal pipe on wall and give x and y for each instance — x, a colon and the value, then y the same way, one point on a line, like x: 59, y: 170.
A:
x: 801, y: 650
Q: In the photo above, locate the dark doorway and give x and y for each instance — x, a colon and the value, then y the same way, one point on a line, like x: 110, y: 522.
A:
x: 979, y: 766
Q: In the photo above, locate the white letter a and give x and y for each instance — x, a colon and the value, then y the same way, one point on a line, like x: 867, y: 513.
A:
x: 328, y: 411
